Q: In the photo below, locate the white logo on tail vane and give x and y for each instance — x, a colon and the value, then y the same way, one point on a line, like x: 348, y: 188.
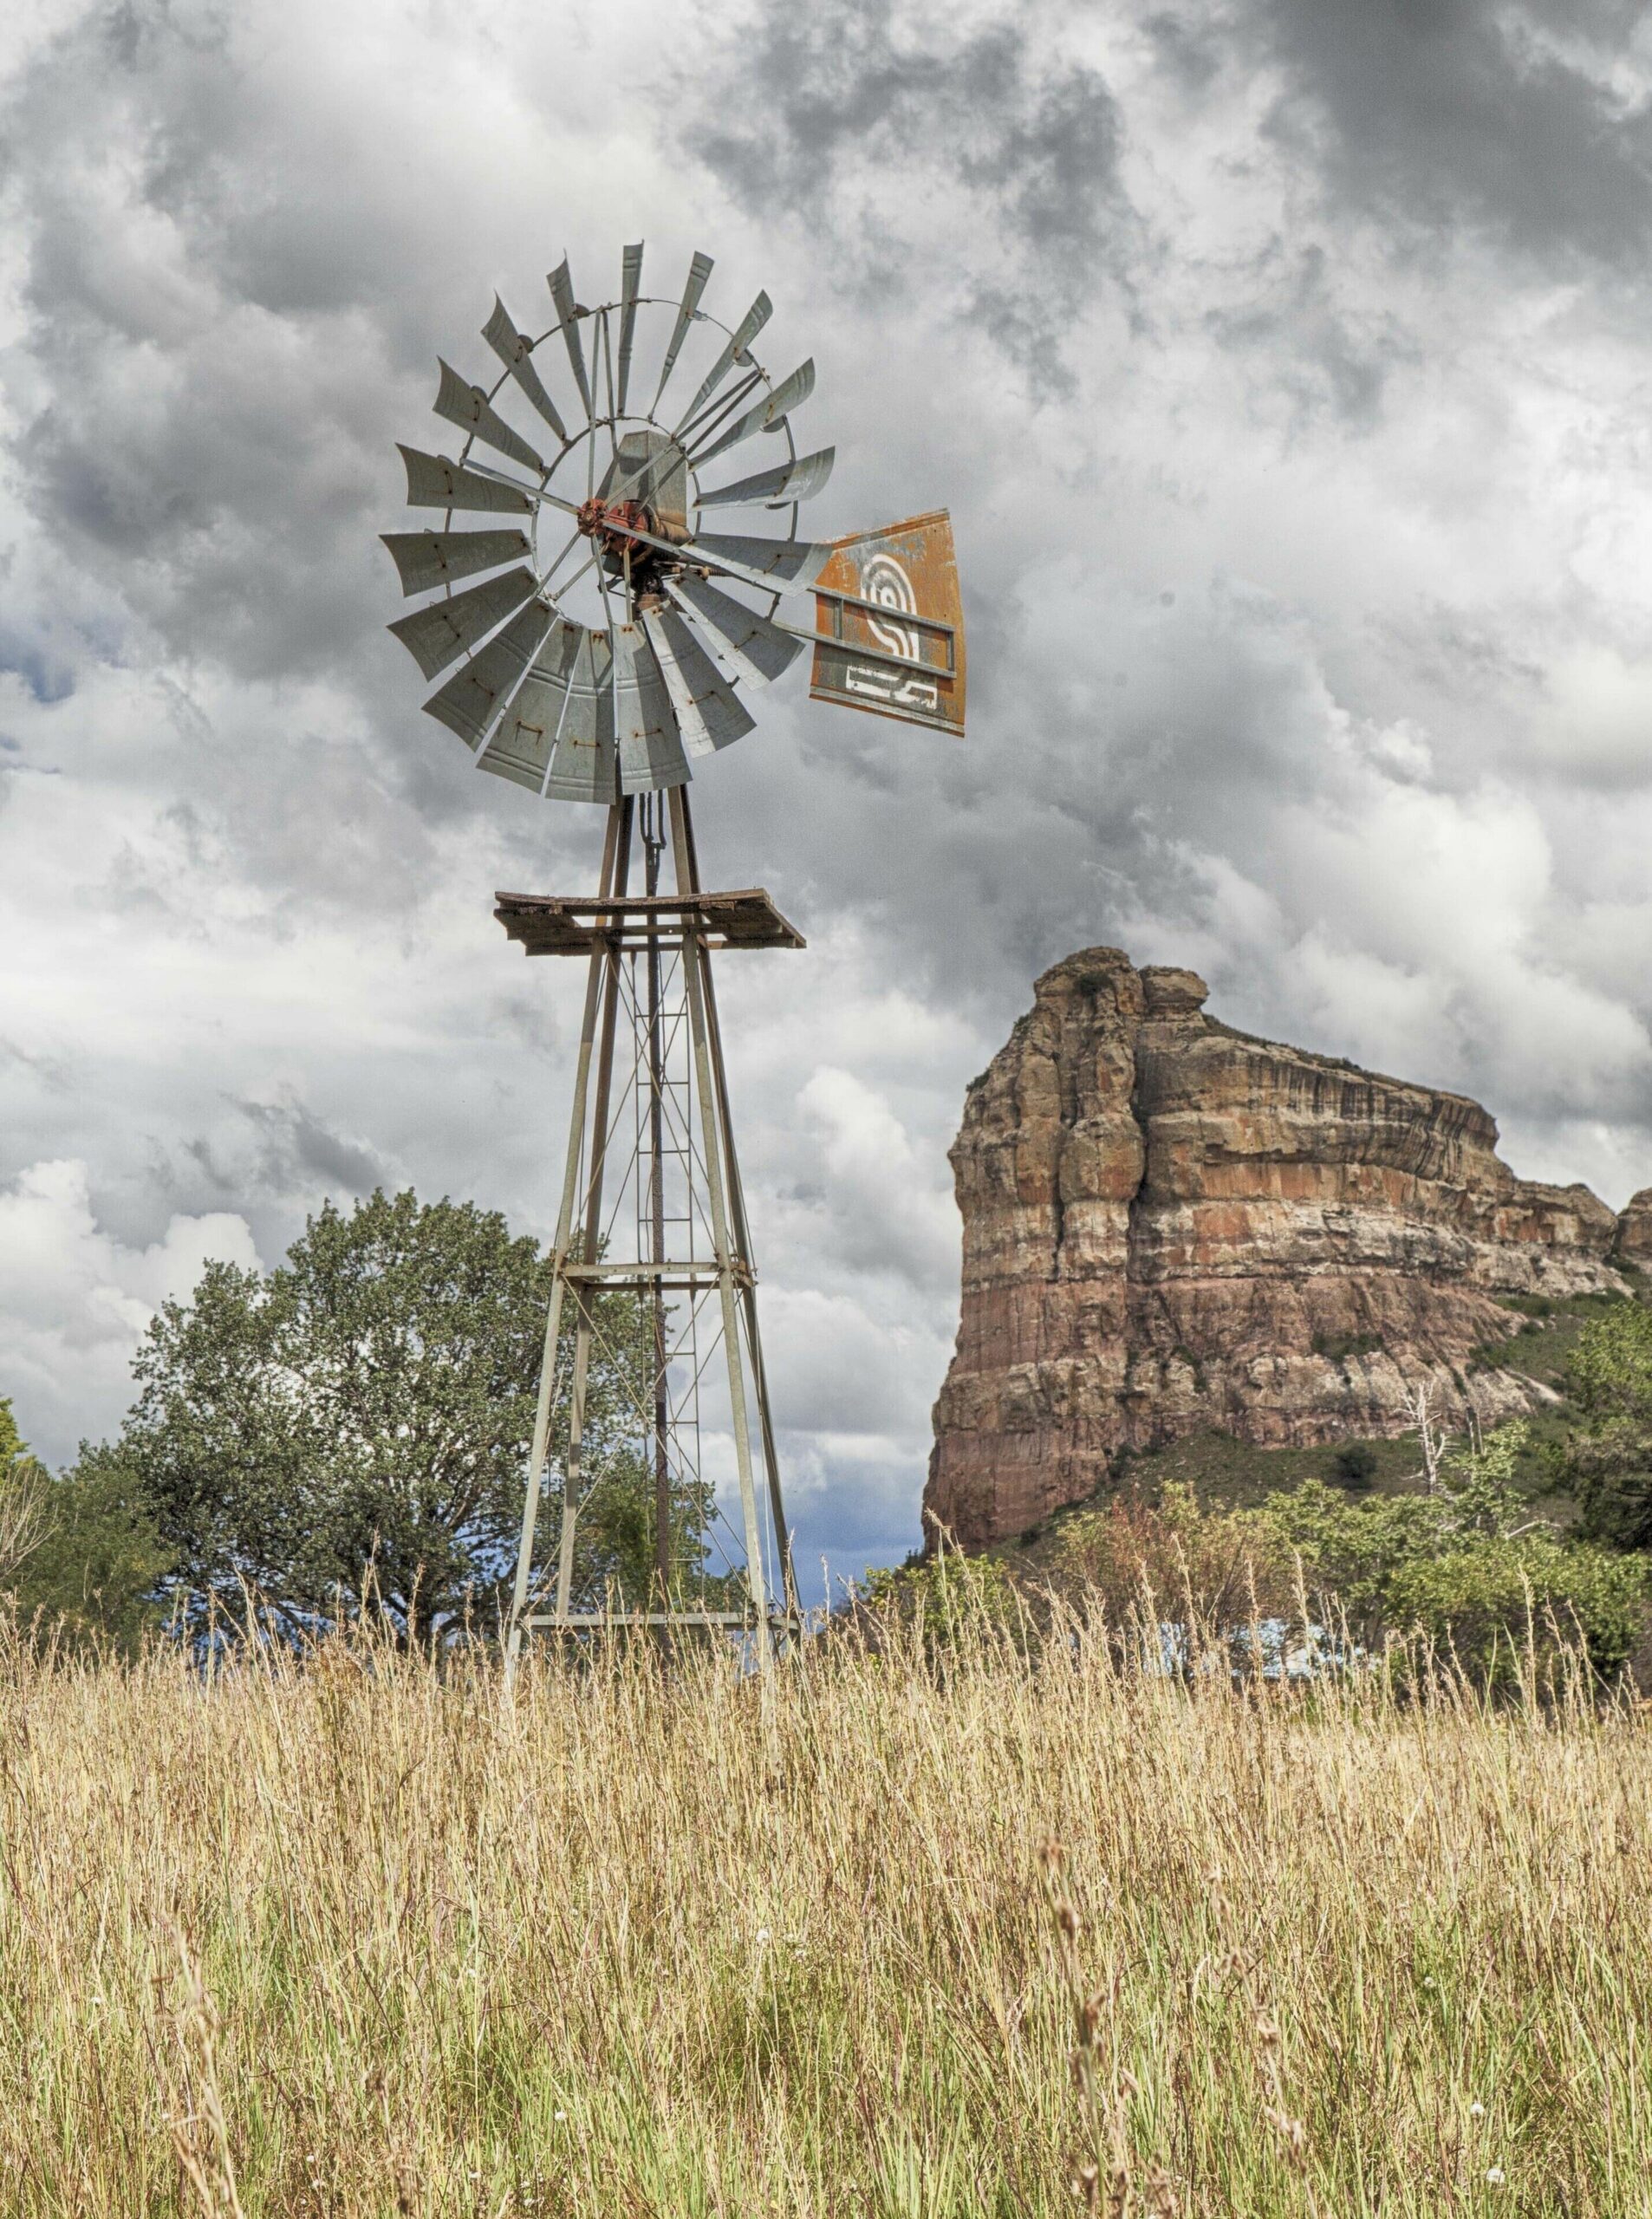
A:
x: 884, y: 581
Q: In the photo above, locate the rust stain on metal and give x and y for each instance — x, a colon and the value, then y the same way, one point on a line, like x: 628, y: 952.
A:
x: 889, y: 623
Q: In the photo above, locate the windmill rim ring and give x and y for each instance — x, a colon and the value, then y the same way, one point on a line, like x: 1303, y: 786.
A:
x: 594, y: 422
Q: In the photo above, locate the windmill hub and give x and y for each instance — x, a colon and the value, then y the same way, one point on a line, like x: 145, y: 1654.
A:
x: 615, y: 526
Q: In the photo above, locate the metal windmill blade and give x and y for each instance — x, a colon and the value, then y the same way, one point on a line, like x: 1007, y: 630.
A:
x: 768, y: 415
x: 758, y: 648
x: 514, y: 350
x: 788, y: 481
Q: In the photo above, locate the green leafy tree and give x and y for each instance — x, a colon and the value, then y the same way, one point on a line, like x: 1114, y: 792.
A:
x: 353, y: 1427
x: 1607, y: 1461
x: 92, y: 1563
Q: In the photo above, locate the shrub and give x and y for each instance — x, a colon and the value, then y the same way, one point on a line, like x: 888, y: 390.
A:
x: 1142, y: 1567
x: 1462, y: 1567
x: 1355, y: 1466
x: 1487, y: 1598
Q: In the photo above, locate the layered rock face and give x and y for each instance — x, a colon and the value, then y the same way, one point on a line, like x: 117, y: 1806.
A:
x: 1634, y: 1244
x: 1169, y: 1226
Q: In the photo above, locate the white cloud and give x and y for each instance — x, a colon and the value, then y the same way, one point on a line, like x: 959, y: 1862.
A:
x: 74, y: 1301
x: 1597, y: 722
x: 885, y: 1207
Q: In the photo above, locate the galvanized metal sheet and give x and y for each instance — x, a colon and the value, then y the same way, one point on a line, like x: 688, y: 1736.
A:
x: 759, y: 649
x: 769, y: 414
x: 866, y: 657
x: 520, y: 747
x: 781, y: 565
x: 585, y: 762
x: 630, y: 284
x: 745, y: 332
x: 468, y: 406
x: 787, y: 481
x: 434, y: 635
x: 651, y: 748
x: 585, y: 766
x: 427, y: 559
x: 709, y: 711
x: 523, y: 745
x: 562, y: 294
x: 699, y: 269
x: 434, y: 482
x: 474, y: 697
x: 515, y: 350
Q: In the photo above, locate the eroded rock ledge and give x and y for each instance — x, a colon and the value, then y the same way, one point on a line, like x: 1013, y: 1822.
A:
x: 1169, y: 1226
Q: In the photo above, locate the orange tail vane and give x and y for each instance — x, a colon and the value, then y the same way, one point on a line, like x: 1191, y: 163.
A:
x: 890, y: 625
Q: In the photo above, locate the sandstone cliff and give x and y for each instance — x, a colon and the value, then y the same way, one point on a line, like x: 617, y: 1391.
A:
x: 1169, y: 1226
x: 1633, y: 1243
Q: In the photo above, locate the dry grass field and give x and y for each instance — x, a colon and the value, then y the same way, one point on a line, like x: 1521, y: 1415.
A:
x: 364, y: 1937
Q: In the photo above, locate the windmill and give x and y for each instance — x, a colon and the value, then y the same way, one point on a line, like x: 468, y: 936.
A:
x: 591, y: 622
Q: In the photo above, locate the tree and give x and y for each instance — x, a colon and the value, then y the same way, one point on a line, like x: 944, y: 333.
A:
x: 353, y: 1427
x: 92, y: 1562
x: 1607, y: 1461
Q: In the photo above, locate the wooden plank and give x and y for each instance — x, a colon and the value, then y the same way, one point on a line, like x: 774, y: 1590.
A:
x: 561, y: 924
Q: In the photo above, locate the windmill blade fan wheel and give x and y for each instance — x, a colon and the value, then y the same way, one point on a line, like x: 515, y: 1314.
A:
x: 589, y: 637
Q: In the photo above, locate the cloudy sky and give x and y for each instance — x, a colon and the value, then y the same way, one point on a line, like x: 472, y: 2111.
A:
x: 1287, y: 367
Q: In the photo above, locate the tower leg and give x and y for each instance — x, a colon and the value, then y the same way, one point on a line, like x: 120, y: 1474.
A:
x: 741, y: 1234
x: 603, y: 960
x: 582, y: 1295
x: 694, y: 968
x: 654, y: 841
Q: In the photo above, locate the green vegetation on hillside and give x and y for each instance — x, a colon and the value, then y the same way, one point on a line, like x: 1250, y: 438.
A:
x: 351, y: 1431
x: 1607, y: 1458
x: 1537, y: 1535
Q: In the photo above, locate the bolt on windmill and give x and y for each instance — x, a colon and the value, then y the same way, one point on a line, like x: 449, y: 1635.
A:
x: 599, y: 657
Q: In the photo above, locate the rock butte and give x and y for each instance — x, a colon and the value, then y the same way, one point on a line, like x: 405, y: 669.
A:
x: 1171, y: 1227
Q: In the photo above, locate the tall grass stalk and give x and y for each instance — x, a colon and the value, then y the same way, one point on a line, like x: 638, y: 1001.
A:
x: 976, y: 1929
